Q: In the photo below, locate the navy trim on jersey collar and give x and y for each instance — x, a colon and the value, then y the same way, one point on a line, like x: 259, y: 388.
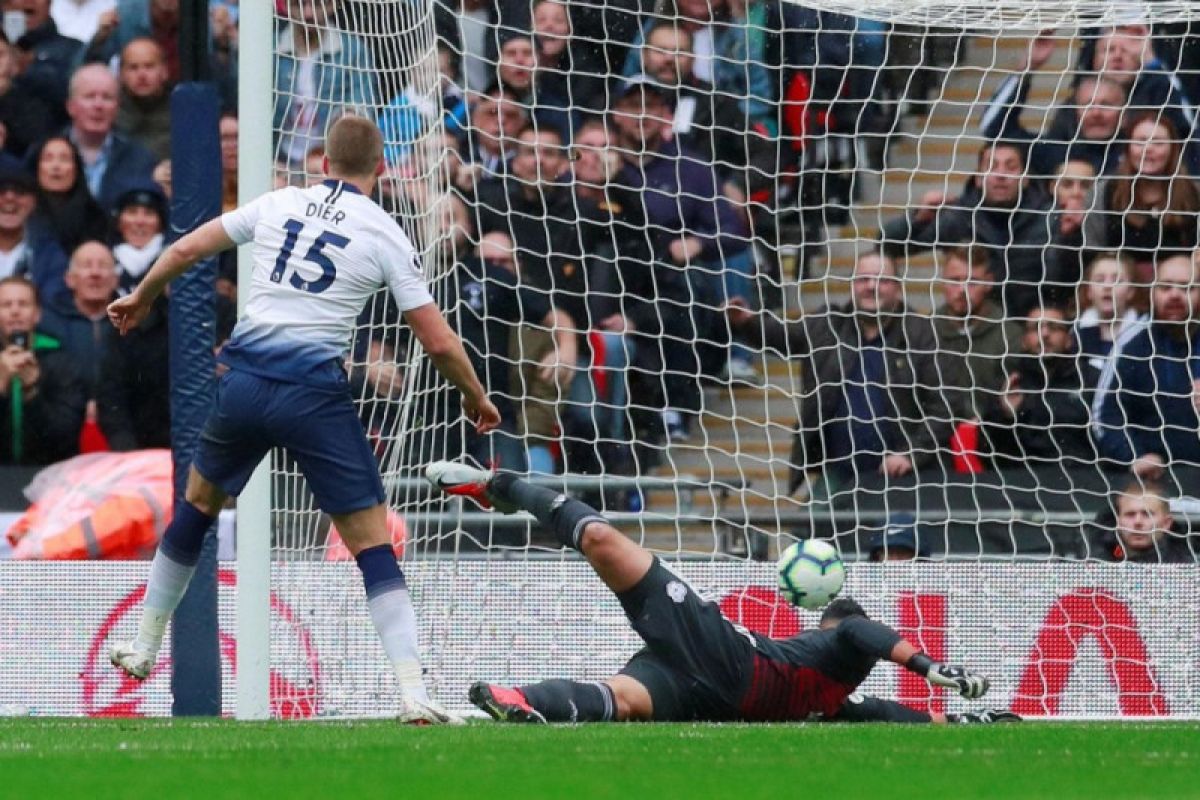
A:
x: 338, y: 187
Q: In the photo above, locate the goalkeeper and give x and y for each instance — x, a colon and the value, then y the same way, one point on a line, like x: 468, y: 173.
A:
x: 697, y: 664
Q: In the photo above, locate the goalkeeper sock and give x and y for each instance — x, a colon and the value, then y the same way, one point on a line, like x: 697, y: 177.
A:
x: 392, y: 612
x: 572, y: 701
x: 170, y: 573
x: 563, y: 515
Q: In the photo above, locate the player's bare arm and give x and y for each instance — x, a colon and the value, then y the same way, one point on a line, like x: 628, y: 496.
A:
x: 126, y: 313
x: 446, y: 351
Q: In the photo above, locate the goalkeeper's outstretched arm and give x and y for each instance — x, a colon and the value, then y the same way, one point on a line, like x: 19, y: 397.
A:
x: 878, y: 639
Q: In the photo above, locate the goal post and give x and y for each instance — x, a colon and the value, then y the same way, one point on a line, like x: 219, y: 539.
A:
x: 256, y: 154
x: 679, y: 420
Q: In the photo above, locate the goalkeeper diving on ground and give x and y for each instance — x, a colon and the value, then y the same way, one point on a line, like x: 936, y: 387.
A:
x: 319, y: 254
x: 697, y: 664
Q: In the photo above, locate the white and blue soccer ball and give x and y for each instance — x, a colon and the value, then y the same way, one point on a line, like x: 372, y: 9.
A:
x: 811, y: 573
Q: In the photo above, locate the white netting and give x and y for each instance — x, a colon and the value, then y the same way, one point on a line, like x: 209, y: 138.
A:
x: 1013, y: 15
x: 646, y: 165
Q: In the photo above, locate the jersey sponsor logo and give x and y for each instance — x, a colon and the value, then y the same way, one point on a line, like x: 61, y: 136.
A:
x: 677, y: 591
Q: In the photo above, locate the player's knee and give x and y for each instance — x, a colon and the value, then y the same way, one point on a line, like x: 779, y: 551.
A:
x: 631, y: 699
x: 207, y: 497
x: 598, y: 536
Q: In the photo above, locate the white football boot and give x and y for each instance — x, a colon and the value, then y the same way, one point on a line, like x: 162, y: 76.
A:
x: 417, y: 712
x: 463, y: 480
x: 133, y: 662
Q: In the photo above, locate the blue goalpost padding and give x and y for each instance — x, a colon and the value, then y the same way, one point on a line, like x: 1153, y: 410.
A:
x: 196, y: 179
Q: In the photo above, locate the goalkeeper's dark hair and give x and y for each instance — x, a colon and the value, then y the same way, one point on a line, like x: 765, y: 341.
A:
x: 840, y: 609
x: 354, y: 147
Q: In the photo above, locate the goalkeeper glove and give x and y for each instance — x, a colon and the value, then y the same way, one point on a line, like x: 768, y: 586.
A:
x: 961, y: 679
x: 985, y: 717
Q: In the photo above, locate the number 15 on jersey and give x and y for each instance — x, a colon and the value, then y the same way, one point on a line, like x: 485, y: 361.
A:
x: 315, y: 255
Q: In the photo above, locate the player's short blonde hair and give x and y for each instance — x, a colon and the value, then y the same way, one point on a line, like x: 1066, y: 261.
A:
x: 354, y: 147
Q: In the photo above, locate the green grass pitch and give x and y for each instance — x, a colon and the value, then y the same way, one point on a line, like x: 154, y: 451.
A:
x: 62, y: 759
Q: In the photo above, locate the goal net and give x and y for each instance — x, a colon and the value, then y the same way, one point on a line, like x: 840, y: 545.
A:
x: 916, y: 277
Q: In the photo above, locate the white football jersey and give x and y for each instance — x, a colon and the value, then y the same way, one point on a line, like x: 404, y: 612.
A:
x: 319, y: 254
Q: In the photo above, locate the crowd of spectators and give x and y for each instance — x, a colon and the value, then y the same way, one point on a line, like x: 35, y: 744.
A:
x: 620, y: 178
x: 85, y: 135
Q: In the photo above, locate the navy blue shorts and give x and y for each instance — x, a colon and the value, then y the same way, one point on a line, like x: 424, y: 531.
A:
x: 320, y: 429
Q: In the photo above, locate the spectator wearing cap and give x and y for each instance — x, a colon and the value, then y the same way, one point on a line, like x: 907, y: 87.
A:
x: 111, y: 161
x: 144, y: 114
x: 898, y: 541
x: 141, y: 223
x: 26, y: 115
x: 66, y: 209
x: 1139, y: 527
x: 80, y: 320
x: 24, y: 251
x: 47, y: 56
x: 42, y: 398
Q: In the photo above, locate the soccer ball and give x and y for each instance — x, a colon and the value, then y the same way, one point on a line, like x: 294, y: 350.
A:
x: 810, y: 573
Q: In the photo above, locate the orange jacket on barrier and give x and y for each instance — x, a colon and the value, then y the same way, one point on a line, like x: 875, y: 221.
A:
x: 101, y: 505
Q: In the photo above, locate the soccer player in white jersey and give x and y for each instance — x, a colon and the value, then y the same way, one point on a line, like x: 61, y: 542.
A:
x: 319, y: 254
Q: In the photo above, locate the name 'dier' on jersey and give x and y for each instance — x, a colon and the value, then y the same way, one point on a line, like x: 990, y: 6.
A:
x: 319, y: 254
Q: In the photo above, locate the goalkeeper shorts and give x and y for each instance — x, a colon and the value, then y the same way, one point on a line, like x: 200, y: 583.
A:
x: 708, y: 659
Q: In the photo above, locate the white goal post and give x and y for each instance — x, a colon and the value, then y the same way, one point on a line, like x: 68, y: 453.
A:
x: 256, y: 154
